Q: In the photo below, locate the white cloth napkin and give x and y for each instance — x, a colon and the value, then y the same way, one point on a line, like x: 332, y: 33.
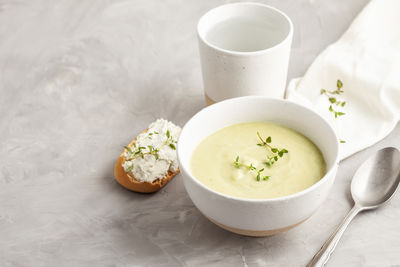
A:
x: 367, y: 60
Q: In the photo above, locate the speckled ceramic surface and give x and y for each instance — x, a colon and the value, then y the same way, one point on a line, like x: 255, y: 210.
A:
x: 80, y: 79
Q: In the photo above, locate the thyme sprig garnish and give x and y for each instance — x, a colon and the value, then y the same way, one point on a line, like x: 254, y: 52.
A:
x: 275, y: 153
x: 333, y: 100
x: 251, y: 167
x: 140, y: 151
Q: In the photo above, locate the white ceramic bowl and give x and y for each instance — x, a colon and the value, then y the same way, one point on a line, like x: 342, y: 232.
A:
x: 257, y: 217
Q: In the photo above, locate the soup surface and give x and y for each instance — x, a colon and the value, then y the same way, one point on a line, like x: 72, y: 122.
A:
x: 213, y: 161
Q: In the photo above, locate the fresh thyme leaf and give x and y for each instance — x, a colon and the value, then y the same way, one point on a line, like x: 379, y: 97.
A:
x: 252, y: 167
x: 332, y: 100
x: 258, y: 176
x: 236, y: 162
x: 129, y: 149
x: 343, y: 103
x: 280, y: 154
x: 268, y: 140
x: 341, y: 113
x: 330, y: 108
x: 130, y: 168
x: 342, y: 141
x: 168, y: 134
x: 265, y: 178
x: 339, y: 84
x: 172, y: 146
x: 274, y: 150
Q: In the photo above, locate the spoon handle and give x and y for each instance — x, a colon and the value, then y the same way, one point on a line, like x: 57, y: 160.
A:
x: 322, y: 256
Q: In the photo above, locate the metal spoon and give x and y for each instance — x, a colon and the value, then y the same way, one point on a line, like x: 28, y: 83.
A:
x: 373, y: 184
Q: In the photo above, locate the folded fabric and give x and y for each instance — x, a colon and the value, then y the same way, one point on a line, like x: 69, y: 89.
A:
x: 366, y: 59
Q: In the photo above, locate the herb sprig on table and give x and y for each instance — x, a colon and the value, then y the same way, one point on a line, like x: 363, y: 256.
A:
x: 138, y: 151
x: 335, y: 102
x: 273, y: 156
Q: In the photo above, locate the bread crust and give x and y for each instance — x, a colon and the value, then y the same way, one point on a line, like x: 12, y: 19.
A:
x: 131, y: 183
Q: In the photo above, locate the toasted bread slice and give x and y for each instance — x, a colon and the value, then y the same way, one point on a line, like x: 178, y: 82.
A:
x: 128, y: 181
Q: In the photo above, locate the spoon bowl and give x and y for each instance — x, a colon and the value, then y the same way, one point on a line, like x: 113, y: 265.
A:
x: 376, y: 180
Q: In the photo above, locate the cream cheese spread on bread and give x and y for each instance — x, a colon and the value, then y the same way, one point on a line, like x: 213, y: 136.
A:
x: 154, y: 152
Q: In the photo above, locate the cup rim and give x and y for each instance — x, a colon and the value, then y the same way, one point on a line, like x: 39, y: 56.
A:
x: 330, y: 171
x: 248, y: 53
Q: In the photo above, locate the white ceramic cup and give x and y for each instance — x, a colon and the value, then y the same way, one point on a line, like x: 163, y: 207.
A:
x: 252, y: 60
x: 257, y: 217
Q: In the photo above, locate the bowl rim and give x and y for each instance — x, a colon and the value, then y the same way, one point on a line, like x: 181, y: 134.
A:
x: 328, y: 174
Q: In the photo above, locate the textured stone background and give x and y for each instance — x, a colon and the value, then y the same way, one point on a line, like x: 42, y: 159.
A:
x: 80, y: 79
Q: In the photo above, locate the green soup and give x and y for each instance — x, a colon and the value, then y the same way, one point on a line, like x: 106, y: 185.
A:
x: 212, y: 162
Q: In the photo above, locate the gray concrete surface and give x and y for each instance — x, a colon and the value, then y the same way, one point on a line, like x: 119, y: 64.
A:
x: 80, y: 79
